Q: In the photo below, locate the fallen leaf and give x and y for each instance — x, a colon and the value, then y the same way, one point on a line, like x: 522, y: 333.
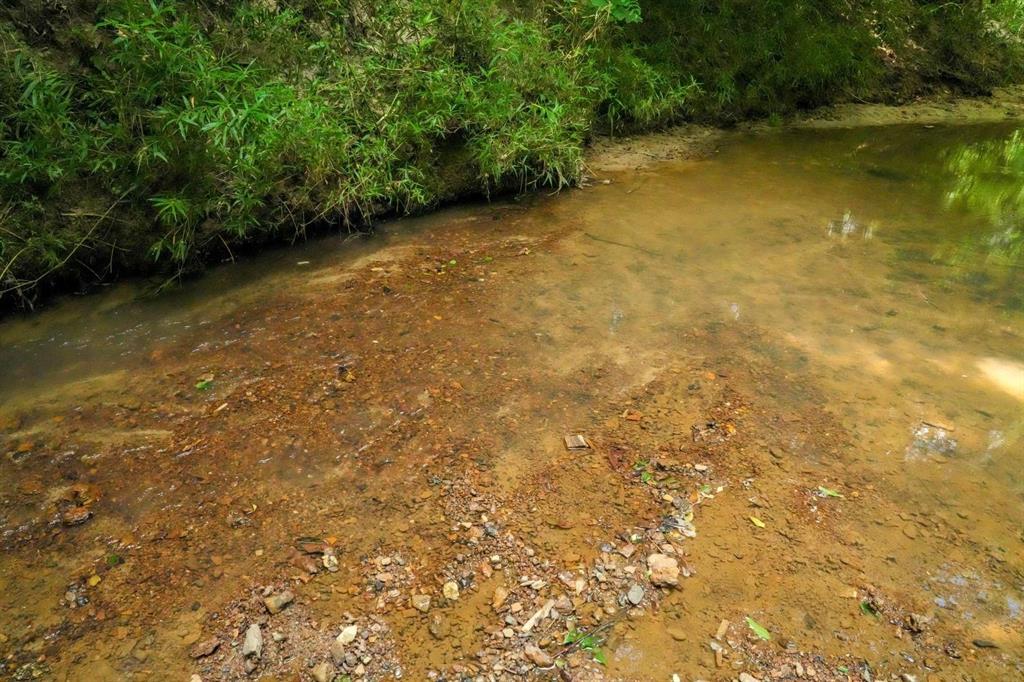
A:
x: 757, y: 522
x: 758, y: 629
x: 828, y: 492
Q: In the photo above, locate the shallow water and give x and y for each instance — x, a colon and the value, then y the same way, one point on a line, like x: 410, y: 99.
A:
x: 815, y: 289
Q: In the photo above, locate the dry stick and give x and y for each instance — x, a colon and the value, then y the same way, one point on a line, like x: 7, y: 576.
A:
x: 230, y: 255
x: 27, y: 283
x: 10, y: 263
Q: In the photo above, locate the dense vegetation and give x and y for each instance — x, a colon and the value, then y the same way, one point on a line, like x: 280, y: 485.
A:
x: 156, y: 135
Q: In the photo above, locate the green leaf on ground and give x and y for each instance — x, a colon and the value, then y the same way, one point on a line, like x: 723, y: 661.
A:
x: 828, y: 492
x: 868, y: 609
x: 758, y: 629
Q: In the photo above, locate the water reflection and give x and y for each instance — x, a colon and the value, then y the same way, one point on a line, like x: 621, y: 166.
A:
x: 989, y: 180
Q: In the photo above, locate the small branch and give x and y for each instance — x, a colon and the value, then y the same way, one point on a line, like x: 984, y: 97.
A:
x: 615, y: 243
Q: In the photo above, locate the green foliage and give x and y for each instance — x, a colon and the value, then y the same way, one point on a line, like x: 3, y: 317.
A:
x: 589, y: 643
x: 142, y: 135
x: 624, y: 11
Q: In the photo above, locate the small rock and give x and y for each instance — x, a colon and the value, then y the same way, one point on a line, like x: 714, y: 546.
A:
x: 538, y: 656
x: 323, y: 671
x: 438, y: 627
x: 500, y: 595
x: 203, y: 649
x: 635, y: 595
x: 677, y: 634
x: 451, y: 590
x: 421, y: 602
x: 275, y: 603
x: 252, y: 647
x: 747, y: 677
x: 75, y: 516
x: 664, y: 570
x: 347, y: 636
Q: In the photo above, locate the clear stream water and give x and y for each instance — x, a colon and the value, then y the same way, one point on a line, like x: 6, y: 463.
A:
x: 904, y: 309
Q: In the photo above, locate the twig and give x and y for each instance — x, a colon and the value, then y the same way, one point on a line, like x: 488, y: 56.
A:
x: 615, y: 243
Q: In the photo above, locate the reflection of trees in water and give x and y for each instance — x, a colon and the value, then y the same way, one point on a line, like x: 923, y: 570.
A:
x: 989, y: 179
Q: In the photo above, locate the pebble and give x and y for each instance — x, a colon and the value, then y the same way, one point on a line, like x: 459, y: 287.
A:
x: 421, y: 602
x: 747, y: 677
x: 323, y: 671
x: 277, y: 602
x: 451, y: 590
x: 538, y: 656
x: 635, y: 595
x: 347, y: 636
x: 252, y: 647
x: 75, y: 516
x: 204, y: 648
x: 500, y: 595
x: 664, y: 570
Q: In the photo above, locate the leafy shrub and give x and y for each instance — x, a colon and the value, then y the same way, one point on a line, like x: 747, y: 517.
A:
x: 157, y: 135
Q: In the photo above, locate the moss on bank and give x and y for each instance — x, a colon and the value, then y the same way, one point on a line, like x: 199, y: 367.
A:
x: 156, y: 136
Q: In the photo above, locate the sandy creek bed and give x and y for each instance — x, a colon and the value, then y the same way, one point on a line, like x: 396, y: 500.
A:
x: 797, y: 380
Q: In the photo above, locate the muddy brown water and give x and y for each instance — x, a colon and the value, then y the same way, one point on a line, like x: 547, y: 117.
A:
x: 799, y: 336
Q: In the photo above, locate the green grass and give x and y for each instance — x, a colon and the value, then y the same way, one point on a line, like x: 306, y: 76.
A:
x: 141, y: 136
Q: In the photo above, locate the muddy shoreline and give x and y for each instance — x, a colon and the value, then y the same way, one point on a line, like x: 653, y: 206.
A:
x: 698, y: 141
